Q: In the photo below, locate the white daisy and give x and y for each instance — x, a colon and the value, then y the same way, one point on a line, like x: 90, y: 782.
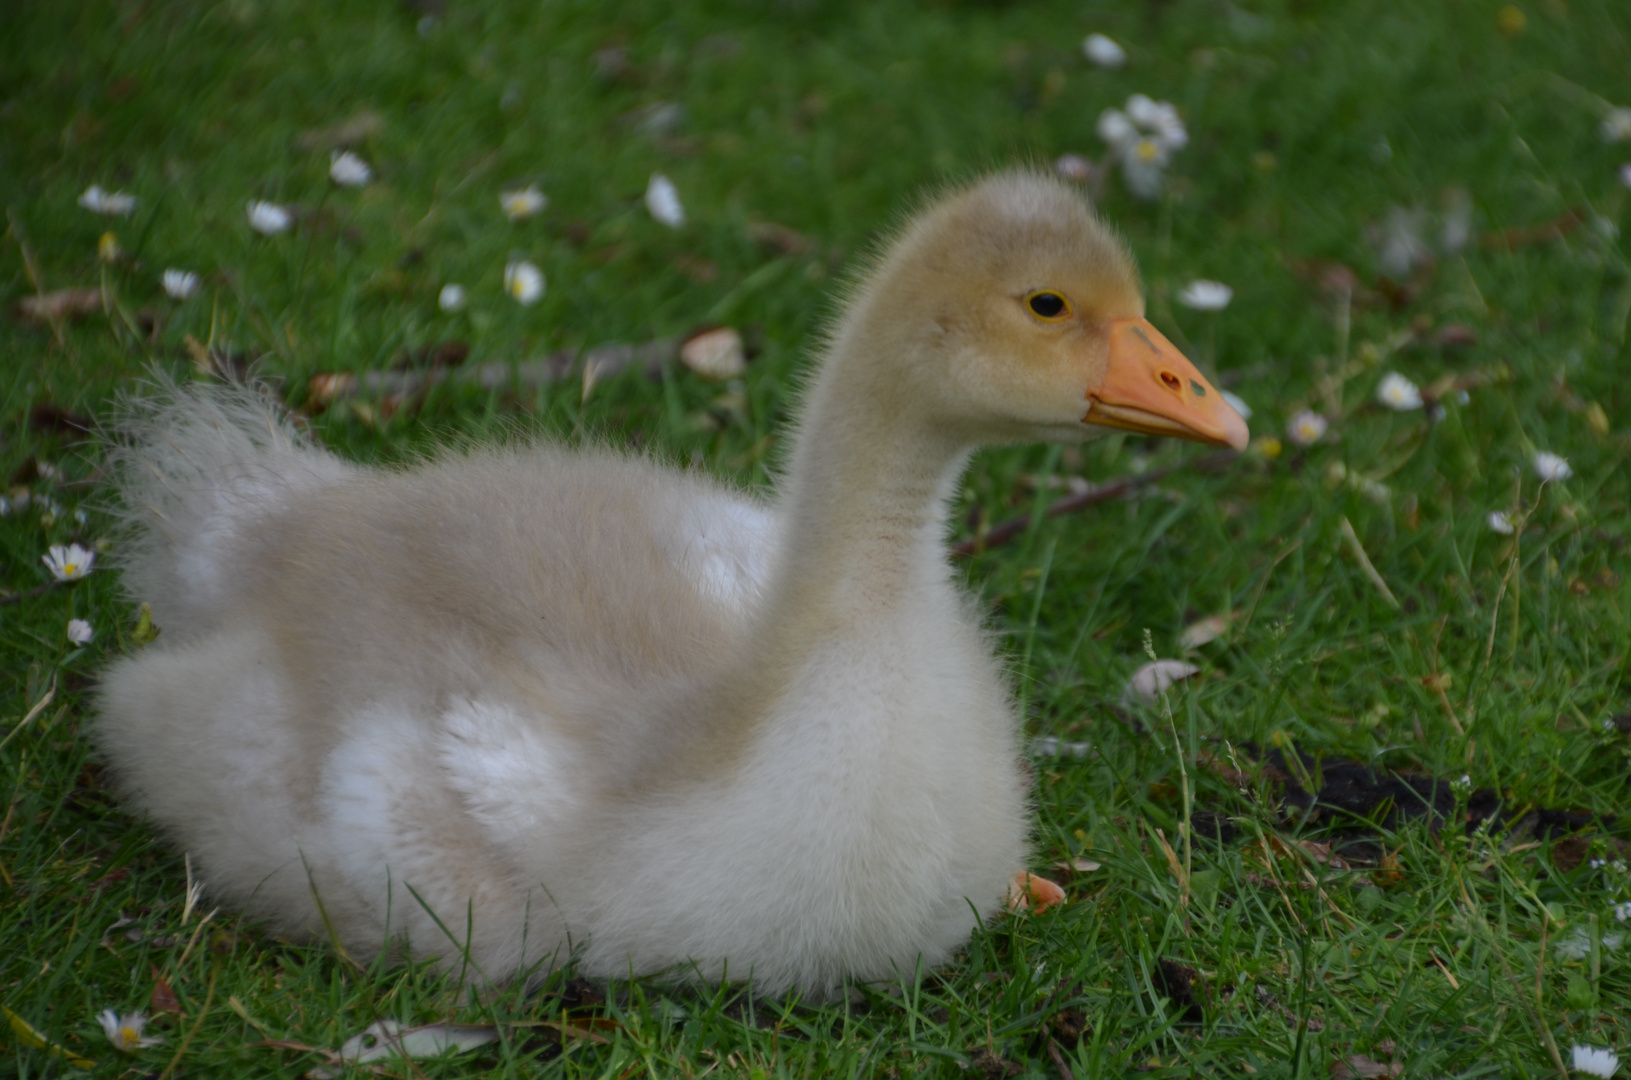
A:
x: 1616, y: 125
x: 125, y: 1032
x: 69, y: 563
x: 179, y: 284
x: 1622, y: 912
x: 112, y: 203
x: 348, y: 170
x: 1143, y: 138
x: 80, y: 632
x: 1500, y: 523
x: 1103, y: 52
x: 1115, y: 129
x: 1203, y: 295
x: 523, y: 202
x: 1307, y: 428
x: 1595, y: 1062
x: 524, y: 281
x: 1398, y: 393
x: 1548, y: 466
x: 268, y: 218
x: 1078, y: 169
x: 452, y: 298
x: 1160, y: 118
x: 663, y: 200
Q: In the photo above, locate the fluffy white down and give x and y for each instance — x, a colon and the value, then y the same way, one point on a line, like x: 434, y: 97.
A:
x: 443, y: 800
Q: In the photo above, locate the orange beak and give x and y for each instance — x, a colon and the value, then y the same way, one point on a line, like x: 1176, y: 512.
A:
x: 1149, y: 387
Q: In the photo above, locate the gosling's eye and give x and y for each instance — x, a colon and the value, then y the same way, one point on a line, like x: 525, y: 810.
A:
x: 1048, y: 305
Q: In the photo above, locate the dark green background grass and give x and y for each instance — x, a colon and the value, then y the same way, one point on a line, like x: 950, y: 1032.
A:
x: 832, y: 119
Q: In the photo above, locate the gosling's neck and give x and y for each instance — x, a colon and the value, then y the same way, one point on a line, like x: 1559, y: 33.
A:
x: 864, y: 501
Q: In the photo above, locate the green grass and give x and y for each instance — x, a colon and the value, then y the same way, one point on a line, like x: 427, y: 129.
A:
x: 830, y: 118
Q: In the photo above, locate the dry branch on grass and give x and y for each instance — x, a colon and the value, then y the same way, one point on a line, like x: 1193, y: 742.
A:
x: 1005, y: 531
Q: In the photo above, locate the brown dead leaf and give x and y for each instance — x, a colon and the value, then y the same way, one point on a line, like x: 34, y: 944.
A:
x: 1223, y: 770
x: 1069, y: 1025
x: 364, y: 125
x: 1524, y: 235
x: 1388, y: 873
x: 1569, y: 852
x: 1454, y: 335
x: 1152, y: 680
x: 990, y: 1066
x: 62, y: 304
x: 700, y: 270
x: 1077, y: 866
x: 716, y: 352
x: 1028, y: 892
x: 1360, y: 1067
x: 443, y: 354
x: 1328, y: 274
x: 778, y: 238
x: 54, y: 418
x: 1313, y: 850
x: 163, y: 999
x: 1201, y: 631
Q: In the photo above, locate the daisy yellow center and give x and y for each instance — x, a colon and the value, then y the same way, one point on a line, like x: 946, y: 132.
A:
x: 129, y: 1036
x: 1146, y: 150
x: 70, y: 568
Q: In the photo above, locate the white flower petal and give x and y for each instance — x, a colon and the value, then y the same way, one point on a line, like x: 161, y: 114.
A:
x: 1549, y: 466
x: 1143, y: 111
x: 1074, y: 167
x: 663, y: 200
x: 1115, y: 129
x: 179, y: 284
x: 1236, y: 403
x: 111, y: 203
x: 1141, y: 169
x: 80, y: 632
x: 523, y: 202
x: 1152, y: 680
x: 1595, y: 1062
x: 1203, y: 295
x: 524, y: 281
x: 1398, y: 393
x: 268, y: 218
x: 349, y: 170
x: 1625, y: 174
x: 715, y: 354
x: 452, y: 297
x: 1307, y: 428
x: 1617, y: 125
x: 1103, y: 51
x: 1500, y: 523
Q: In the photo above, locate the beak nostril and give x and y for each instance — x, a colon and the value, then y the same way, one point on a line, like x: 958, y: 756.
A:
x: 1172, y: 382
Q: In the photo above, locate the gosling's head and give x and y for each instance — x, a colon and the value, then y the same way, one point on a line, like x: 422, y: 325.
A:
x: 1010, y: 311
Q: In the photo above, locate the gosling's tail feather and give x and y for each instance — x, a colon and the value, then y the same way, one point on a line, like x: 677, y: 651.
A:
x: 194, y: 465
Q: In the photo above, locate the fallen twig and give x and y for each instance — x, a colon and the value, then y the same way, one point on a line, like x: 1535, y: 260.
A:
x: 1375, y: 578
x: 1523, y: 235
x: 28, y: 594
x: 46, y: 699
x: 601, y: 361
x: 1005, y: 531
